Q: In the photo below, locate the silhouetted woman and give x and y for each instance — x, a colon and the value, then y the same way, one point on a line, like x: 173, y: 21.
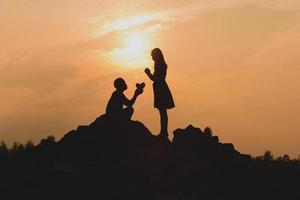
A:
x: 163, y: 99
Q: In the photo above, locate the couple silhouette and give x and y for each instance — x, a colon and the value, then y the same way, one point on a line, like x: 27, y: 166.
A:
x: 163, y: 99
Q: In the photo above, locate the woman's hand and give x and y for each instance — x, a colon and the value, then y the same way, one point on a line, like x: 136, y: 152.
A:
x: 147, y: 71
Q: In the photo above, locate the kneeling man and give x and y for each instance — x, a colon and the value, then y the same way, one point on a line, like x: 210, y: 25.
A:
x: 118, y: 100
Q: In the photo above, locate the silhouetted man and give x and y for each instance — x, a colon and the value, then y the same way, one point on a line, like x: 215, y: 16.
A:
x: 118, y: 100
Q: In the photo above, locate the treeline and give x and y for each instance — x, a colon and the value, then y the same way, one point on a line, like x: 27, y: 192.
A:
x: 19, y: 148
x: 268, y: 157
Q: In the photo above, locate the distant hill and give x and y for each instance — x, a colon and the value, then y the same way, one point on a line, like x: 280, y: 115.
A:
x: 116, y: 159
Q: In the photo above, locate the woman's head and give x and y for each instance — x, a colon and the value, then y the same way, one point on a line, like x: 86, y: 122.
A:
x: 158, y: 56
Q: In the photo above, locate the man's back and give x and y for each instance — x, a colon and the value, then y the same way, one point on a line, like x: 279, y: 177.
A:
x: 115, y: 103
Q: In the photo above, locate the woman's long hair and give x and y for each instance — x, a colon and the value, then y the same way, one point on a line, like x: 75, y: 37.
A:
x: 158, y: 57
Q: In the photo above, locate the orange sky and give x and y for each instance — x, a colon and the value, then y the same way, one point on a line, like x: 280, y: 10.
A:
x: 234, y: 65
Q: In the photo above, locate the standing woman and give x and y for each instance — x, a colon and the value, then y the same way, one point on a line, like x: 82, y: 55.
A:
x: 163, y: 99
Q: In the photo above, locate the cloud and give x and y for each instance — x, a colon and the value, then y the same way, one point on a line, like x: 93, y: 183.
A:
x: 46, y: 69
x: 281, y: 51
x: 281, y: 4
x: 127, y: 23
x: 250, y: 24
x: 181, y: 13
x: 40, y: 71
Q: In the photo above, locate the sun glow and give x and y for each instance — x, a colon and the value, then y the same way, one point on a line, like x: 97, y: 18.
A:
x: 134, y: 53
x: 136, y: 42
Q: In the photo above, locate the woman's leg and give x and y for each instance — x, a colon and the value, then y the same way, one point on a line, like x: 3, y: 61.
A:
x: 163, y: 122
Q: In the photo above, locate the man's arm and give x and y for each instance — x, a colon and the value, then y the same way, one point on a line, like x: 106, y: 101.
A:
x: 129, y: 103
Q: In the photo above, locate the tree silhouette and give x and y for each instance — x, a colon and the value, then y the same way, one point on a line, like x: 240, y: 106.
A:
x: 268, y: 156
x: 17, y: 148
x: 29, y: 145
x: 48, y: 141
x: 3, y: 150
x: 208, y: 132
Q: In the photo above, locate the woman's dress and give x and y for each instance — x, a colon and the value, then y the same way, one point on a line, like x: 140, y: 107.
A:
x: 162, y: 95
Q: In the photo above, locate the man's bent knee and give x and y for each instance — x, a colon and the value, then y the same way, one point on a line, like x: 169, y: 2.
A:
x: 129, y: 112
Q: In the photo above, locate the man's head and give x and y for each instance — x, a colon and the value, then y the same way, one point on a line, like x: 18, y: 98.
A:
x: 120, y: 84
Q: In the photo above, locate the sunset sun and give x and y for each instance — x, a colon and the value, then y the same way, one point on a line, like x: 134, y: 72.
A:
x: 136, y: 42
x: 134, y: 51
